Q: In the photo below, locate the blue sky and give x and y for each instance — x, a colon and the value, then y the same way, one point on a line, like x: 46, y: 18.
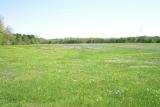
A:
x: 82, y: 18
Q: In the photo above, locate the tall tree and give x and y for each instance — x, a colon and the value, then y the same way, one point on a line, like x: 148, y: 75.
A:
x: 1, y: 30
x: 1, y: 25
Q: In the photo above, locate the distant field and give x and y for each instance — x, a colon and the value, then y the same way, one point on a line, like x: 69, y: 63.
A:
x: 85, y: 75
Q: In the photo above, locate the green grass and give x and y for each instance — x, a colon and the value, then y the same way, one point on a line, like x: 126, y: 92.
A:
x: 85, y: 75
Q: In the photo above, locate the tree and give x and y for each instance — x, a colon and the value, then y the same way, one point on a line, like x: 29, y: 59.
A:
x: 2, y: 38
x: 1, y: 25
x: 9, y: 38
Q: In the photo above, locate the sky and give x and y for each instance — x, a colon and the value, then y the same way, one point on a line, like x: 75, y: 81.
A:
x: 82, y: 18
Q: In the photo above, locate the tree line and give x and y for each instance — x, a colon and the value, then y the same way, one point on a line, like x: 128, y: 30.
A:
x: 139, y: 39
x: 18, y: 39
x: 9, y: 38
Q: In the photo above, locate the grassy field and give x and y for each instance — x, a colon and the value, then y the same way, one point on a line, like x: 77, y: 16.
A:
x: 85, y: 75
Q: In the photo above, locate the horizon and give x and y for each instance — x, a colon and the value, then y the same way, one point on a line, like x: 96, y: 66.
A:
x: 52, y: 19
x: 103, y: 37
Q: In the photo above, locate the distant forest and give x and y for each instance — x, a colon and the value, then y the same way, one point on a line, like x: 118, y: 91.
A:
x: 9, y: 38
x: 140, y: 39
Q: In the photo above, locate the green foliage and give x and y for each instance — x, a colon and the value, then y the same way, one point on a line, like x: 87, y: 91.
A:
x: 140, y: 39
x: 23, y: 39
x: 1, y: 25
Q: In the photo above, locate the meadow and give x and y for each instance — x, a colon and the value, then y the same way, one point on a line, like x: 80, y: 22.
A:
x: 80, y: 75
